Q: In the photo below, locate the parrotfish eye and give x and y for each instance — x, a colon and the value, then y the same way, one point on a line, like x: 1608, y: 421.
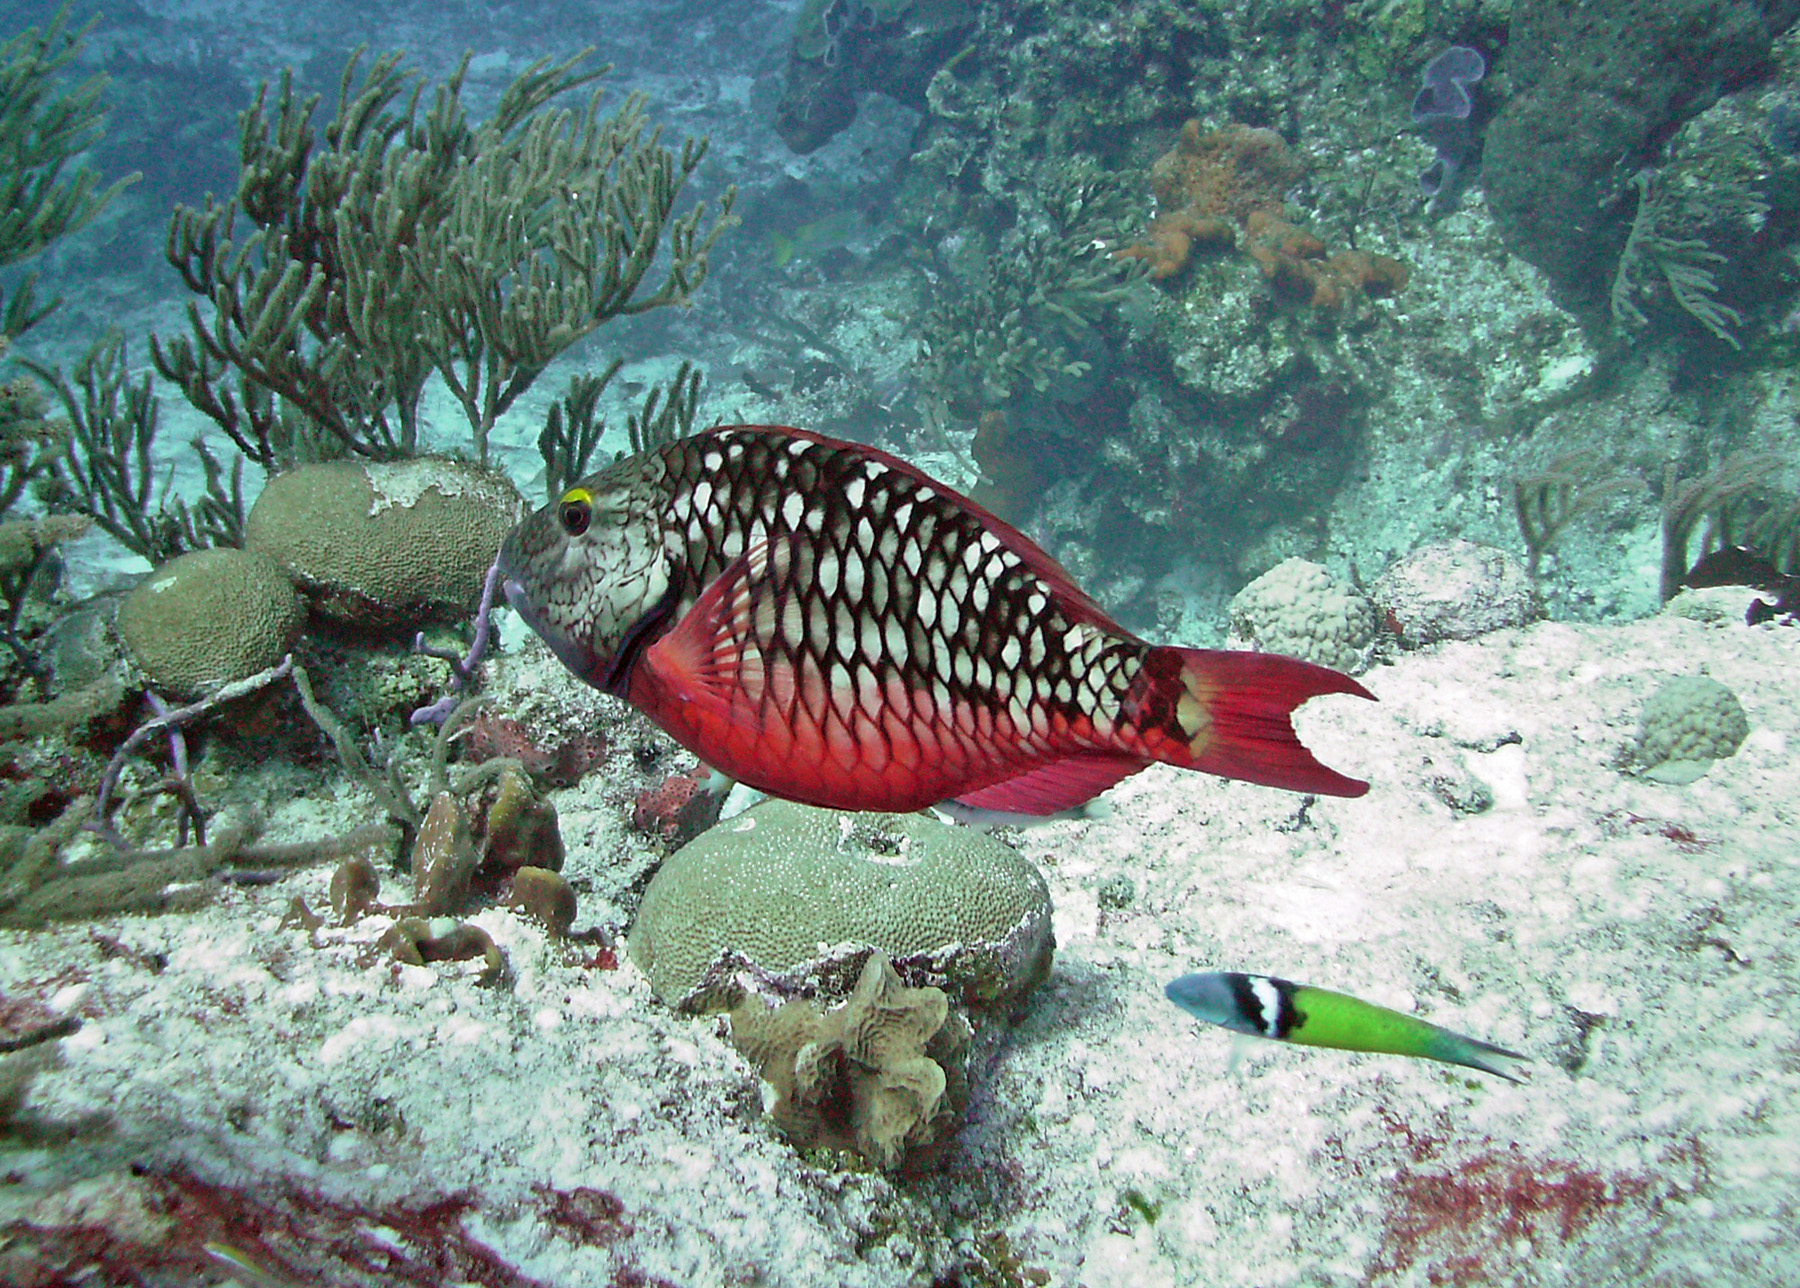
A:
x: 575, y: 510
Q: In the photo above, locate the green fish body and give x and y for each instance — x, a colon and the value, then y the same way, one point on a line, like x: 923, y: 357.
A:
x: 1265, y: 1007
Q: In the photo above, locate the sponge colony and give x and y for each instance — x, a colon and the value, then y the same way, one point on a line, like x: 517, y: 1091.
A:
x: 385, y: 544
x: 782, y: 882
x: 209, y: 617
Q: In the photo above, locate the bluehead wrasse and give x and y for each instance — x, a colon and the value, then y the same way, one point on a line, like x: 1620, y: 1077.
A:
x: 1265, y: 1007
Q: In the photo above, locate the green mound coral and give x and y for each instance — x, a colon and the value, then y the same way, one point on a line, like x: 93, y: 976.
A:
x: 385, y: 544
x: 1687, y: 724
x: 207, y: 618
x: 782, y: 883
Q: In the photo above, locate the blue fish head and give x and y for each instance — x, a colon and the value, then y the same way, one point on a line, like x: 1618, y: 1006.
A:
x: 1210, y: 996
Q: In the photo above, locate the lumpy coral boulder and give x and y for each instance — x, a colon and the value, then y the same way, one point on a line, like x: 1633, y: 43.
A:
x: 1454, y: 590
x: 386, y: 545
x: 207, y: 618
x: 782, y: 883
x: 1687, y: 724
x: 1299, y: 608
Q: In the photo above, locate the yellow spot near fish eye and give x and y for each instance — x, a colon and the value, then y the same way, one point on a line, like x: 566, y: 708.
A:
x: 575, y: 510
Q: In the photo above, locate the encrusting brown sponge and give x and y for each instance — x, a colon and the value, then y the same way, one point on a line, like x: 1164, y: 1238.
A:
x: 882, y: 1074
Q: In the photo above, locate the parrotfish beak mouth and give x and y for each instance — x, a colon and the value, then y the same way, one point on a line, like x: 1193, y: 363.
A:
x: 515, y: 596
x: 521, y: 604
x: 574, y: 655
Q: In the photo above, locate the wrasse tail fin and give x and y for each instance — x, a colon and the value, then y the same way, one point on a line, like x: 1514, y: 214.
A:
x: 1054, y: 787
x: 1472, y: 1053
x: 1246, y: 701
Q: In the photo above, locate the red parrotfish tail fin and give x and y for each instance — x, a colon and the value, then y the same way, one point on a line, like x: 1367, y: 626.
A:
x: 1054, y: 787
x: 1233, y: 710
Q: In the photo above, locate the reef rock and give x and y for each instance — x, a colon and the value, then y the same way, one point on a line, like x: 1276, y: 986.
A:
x: 1601, y: 85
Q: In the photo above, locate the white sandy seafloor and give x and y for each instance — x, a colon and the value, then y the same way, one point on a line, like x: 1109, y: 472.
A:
x: 1635, y: 939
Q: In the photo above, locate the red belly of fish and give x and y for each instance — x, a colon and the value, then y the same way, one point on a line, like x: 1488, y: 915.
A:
x: 830, y: 752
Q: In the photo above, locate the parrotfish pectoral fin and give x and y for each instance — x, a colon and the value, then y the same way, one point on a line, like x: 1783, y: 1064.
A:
x: 701, y: 658
x: 1247, y: 701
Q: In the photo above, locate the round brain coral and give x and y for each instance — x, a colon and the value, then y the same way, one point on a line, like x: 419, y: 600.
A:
x: 1687, y: 724
x: 1300, y: 609
x: 386, y: 544
x: 209, y: 617
x: 782, y: 882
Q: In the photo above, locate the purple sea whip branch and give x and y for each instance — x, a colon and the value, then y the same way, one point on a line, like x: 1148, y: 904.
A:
x: 462, y: 668
x: 172, y: 720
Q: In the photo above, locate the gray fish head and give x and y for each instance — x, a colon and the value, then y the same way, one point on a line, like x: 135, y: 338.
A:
x: 1210, y: 996
x: 586, y: 569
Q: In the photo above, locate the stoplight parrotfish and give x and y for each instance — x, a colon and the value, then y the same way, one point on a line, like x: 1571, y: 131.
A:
x: 822, y: 621
x: 1265, y: 1007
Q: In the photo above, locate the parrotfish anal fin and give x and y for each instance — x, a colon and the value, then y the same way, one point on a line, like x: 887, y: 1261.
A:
x: 1250, y: 699
x: 1059, y: 785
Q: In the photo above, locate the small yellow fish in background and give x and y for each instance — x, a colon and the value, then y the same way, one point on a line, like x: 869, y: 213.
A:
x: 1265, y: 1007
x: 243, y: 1268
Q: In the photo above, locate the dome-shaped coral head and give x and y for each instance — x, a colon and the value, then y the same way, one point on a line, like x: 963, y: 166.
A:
x: 598, y: 569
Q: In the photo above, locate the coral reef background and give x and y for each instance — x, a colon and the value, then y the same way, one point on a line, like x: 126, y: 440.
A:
x: 1157, y: 281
